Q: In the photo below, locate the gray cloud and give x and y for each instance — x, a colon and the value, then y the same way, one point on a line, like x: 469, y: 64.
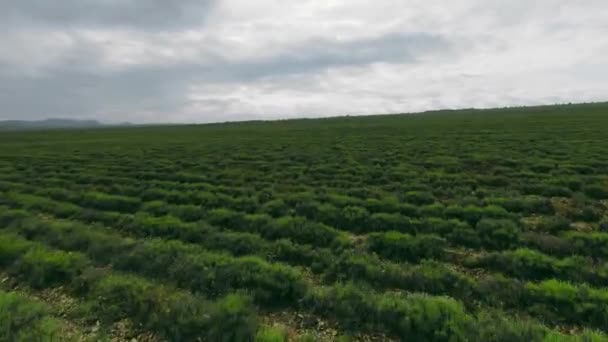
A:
x: 148, y: 14
x: 76, y: 86
x: 318, y: 54
x: 155, y: 61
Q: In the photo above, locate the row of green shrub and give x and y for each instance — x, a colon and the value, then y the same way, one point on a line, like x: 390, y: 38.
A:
x: 24, y: 319
x: 37, y: 203
x: 405, y: 247
x: 330, y: 212
x: 173, y: 314
x: 354, y: 215
x: 420, y: 278
x: 295, y: 228
x: 419, y: 317
x: 298, y: 229
x: 120, y: 296
x: 489, y: 233
x: 458, y: 232
x: 187, y: 265
x: 494, y: 290
x: 567, y: 243
x: 237, y: 243
x: 557, y: 186
x: 594, y: 244
x: 525, y: 263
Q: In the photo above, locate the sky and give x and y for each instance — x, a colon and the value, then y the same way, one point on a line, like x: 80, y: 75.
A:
x: 159, y: 61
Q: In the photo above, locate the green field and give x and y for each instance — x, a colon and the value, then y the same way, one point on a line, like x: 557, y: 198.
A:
x: 473, y: 225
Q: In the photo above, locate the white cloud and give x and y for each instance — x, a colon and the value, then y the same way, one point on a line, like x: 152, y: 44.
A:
x: 238, y: 59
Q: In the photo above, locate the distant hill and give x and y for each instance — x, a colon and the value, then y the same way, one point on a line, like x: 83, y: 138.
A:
x: 48, y: 124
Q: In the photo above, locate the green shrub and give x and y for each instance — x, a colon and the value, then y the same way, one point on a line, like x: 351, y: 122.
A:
x: 419, y: 197
x: 382, y: 222
x: 187, y: 213
x: 232, y: 319
x: 521, y: 263
x: 593, y: 244
x: 596, y: 191
x: 495, y: 327
x: 413, y: 317
x: 588, y: 214
x: 530, y: 204
x: 156, y: 208
x: 353, y: 218
x: 173, y: 314
x: 271, y: 334
x: 300, y: 230
x: 552, y: 224
x: 555, y: 191
x: 531, y: 264
x: 32, y: 202
x: 43, y: 268
x: 500, y: 291
x: 384, y: 205
x: 497, y: 233
x: 104, y: 201
x: 8, y: 216
x: 12, y: 247
x: 22, y: 319
x: 431, y: 210
x: 397, y: 246
x: 547, y: 243
x: 275, y: 208
x: 466, y: 237
x: 563, y: 302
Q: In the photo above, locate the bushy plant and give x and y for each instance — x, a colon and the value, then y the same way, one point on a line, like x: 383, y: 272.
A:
x: 596, y: 191
x: 419, y: 197
x: 43, y: 268
x: 271, y: 334
x: 405, y: 247
x: 547, y: 243
x: 22, y: 319
x: 497, y: 233
x: 105, y: 201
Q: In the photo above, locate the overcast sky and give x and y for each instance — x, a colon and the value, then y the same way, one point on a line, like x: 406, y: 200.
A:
x: 221, y: 60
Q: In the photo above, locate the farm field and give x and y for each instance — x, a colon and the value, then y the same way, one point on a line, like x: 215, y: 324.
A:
x: 471, y: 225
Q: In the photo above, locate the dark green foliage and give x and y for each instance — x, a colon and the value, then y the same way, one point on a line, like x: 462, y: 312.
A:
x: 11, y: 248
x: 268, y: 334
x: 497, y: 233
x: 416, y: 317
x: 176, y: 315
x: 593, y: 244
x: 7, y: 216
x: 419, y: 197
x: 549, y: 244
x: 386, y: 222
x: 588, y: 214
x: 22, y: 319
x: 353, y: 218
x: 398, y: 246
x: 562, y: 301
x: 493, y: 327
x: 42, y: 268
x: 596, y: 191
x: 232, y: 319
x: 553, y: 224
x: 604, y: 226
x: 108, y: 202
x: 531, y: 264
